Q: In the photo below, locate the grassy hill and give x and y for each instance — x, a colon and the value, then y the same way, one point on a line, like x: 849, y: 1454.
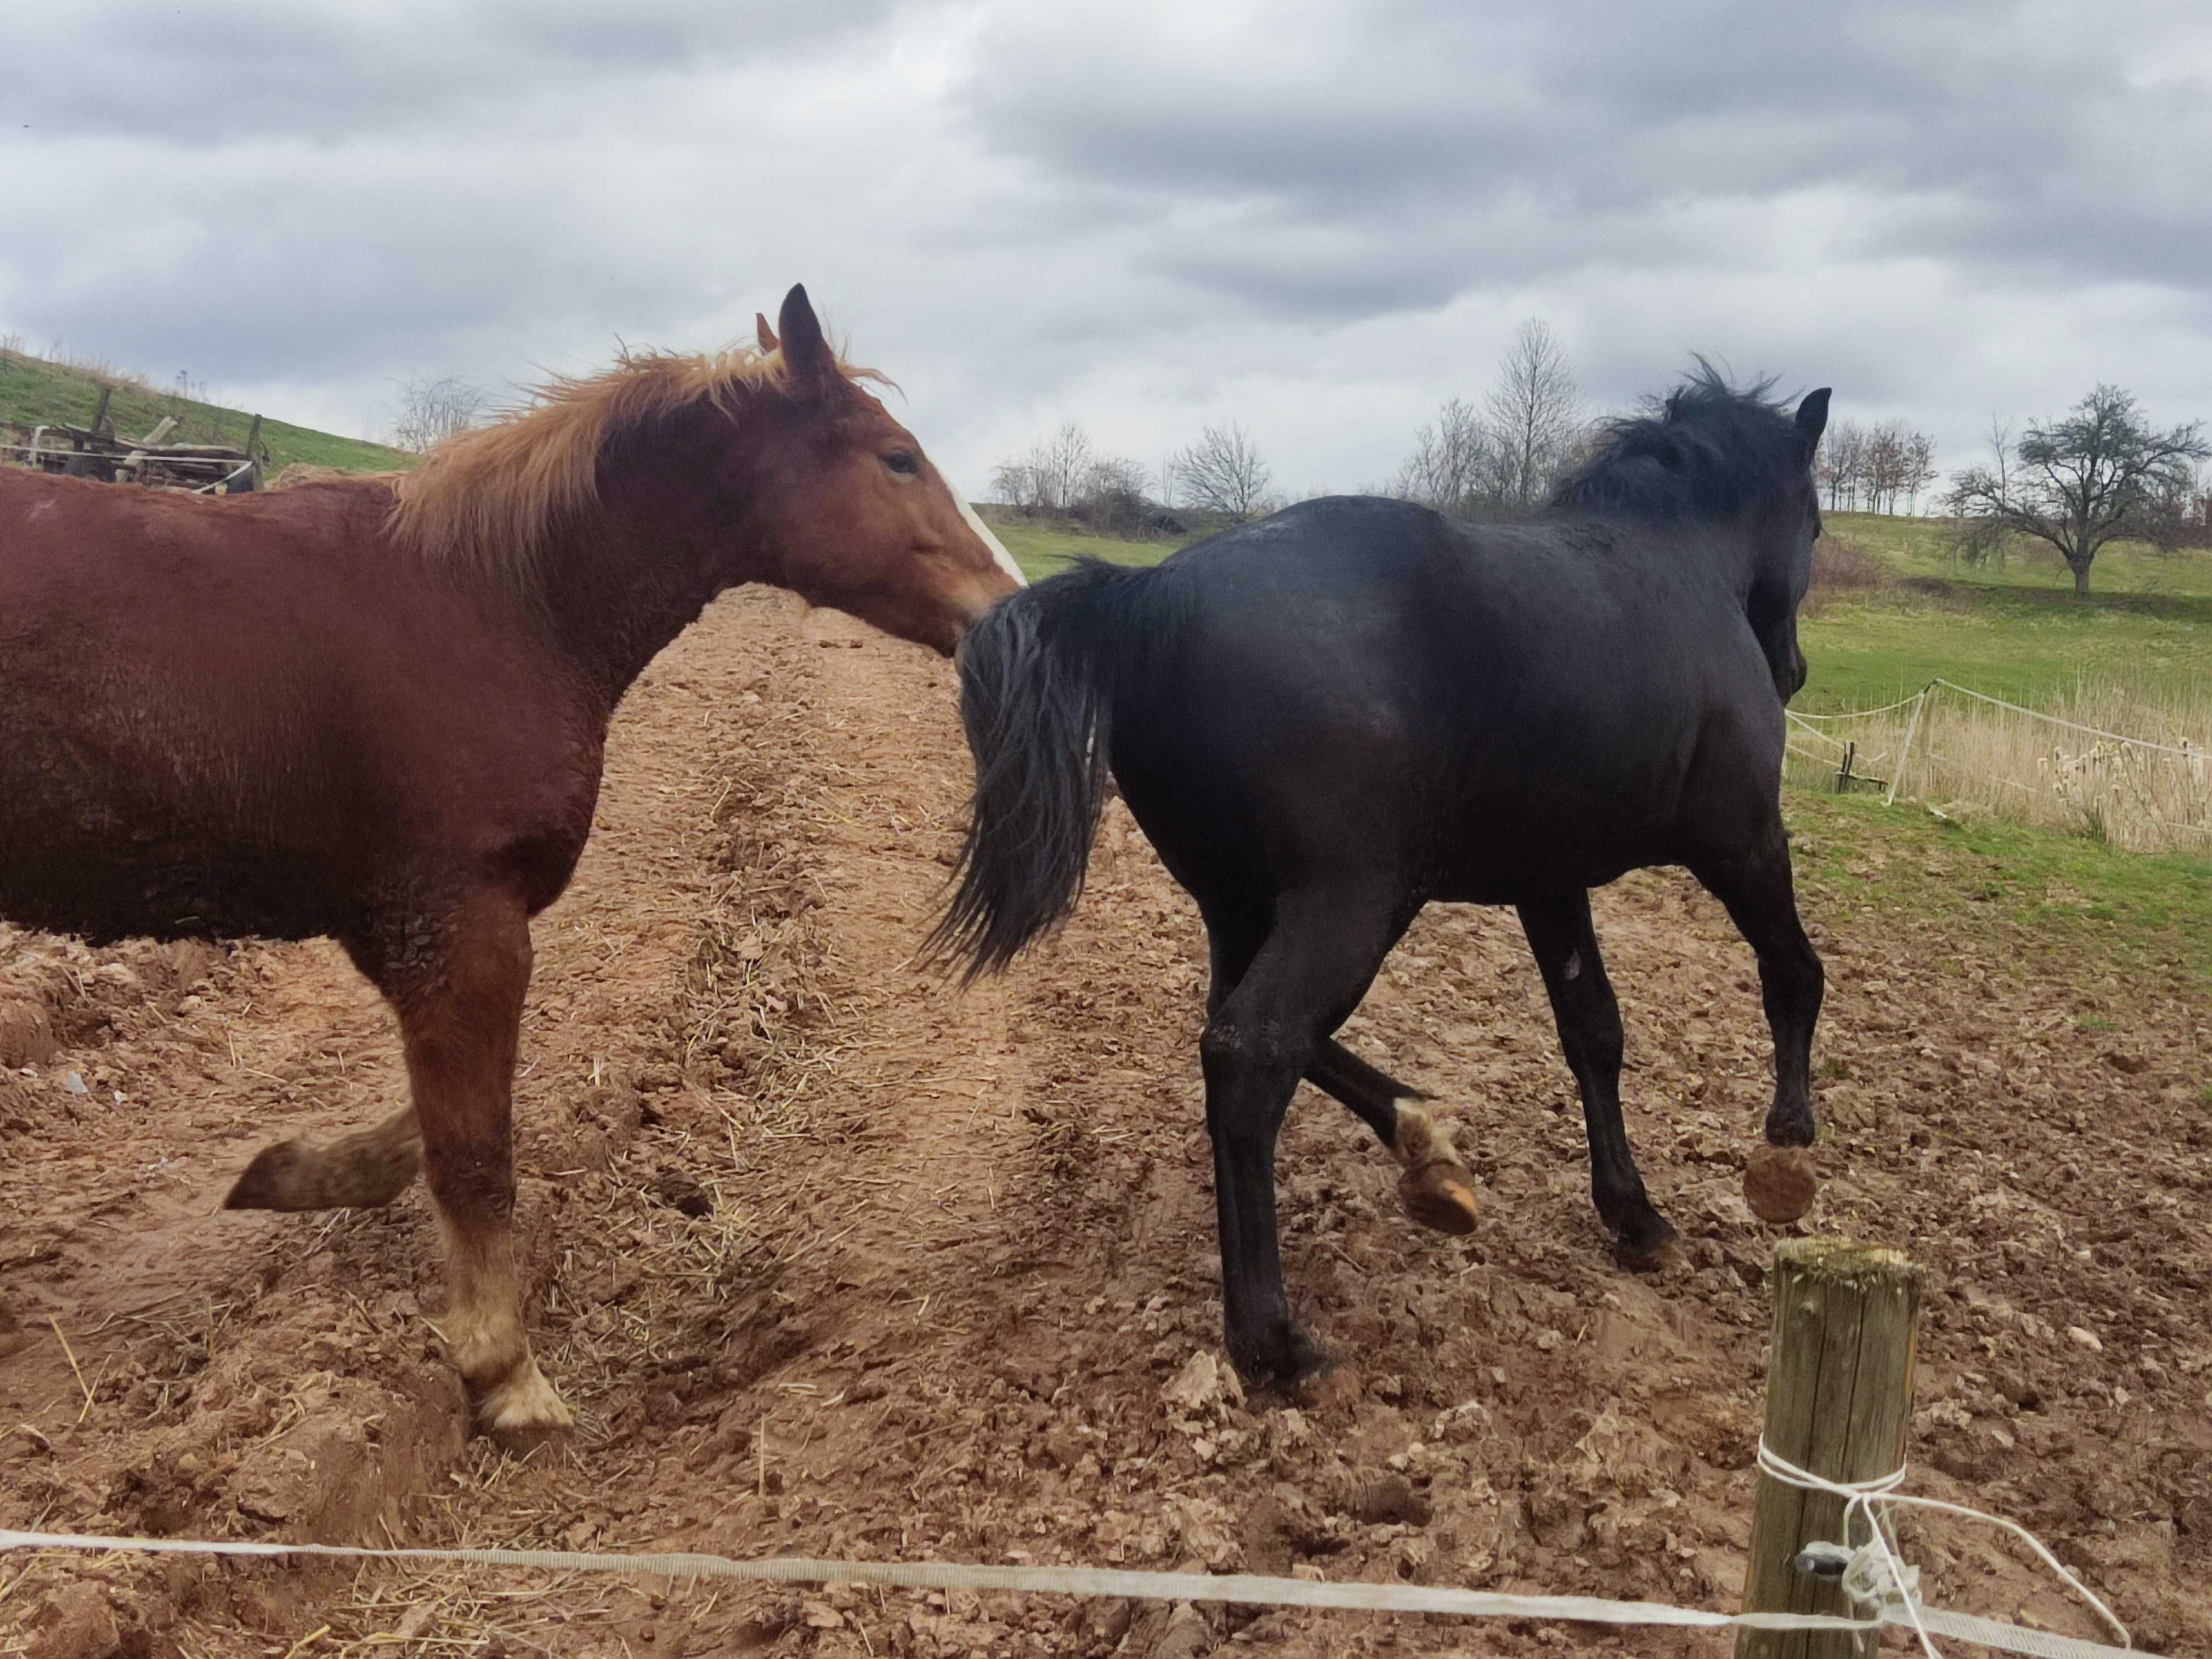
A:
x: 34, y: 390
x: 2015, y: 629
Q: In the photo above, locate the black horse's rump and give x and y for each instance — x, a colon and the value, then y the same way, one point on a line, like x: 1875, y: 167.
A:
x: 1327, y: 719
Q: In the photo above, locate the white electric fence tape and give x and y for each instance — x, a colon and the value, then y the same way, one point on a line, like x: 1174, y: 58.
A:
x: 1249, y: 1589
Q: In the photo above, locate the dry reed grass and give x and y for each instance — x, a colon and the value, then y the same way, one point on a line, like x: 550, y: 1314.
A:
x: 2140, y: 777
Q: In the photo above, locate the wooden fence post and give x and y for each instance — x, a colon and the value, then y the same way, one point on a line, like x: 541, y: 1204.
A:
x: 1839, y: 1398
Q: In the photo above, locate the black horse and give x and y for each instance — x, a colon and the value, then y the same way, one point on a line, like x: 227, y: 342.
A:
x: 1326, y: 719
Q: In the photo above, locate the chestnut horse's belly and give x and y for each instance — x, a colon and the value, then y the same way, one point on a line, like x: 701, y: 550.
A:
x: 149, y: 802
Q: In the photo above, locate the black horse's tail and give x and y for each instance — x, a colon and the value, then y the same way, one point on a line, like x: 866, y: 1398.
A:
x: 1036, y: 697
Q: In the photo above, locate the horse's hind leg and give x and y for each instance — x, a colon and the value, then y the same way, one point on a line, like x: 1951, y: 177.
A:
x: 1320, y: 955
x: 1589, y: 1018
x: 1760, y: 896
x: 1435, y: 1187
x: 460, y: 1003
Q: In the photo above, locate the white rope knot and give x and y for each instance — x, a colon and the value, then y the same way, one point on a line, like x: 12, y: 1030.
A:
x: 1875, y: 1576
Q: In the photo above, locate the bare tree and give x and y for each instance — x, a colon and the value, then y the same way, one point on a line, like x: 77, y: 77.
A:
x: 2092, y: 478
x: 1048, y: 477
x: 1919, y: 467
x: 433, y: 410
x: 1455, y: 464
x: 1871, y: 468
x: 1111, y: 497
x: 1843, y: 464
x: 1535, y: 414
x: 1222, y: 473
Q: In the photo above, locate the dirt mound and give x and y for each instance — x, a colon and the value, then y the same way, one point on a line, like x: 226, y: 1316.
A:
x: 833, y: 1259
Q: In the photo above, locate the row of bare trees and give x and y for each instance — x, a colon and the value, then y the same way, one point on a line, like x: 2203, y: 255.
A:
x: 1063, y: 476
x: 2103, y: 473
x: 1501, y: 457
x: 1871, y: 469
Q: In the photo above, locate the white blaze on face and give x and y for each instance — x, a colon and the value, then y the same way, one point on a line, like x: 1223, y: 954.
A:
x: 1005, y: 560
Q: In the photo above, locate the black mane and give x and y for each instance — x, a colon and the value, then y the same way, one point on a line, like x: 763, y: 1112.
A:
x: 1709, y: 448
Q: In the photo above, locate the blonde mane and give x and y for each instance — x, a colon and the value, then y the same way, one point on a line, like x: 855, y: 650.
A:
x: 492, y: 496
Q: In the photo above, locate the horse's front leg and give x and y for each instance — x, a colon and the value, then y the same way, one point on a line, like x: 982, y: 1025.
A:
x: 460, y: 1001
x: 1588, y: 1014
x: 1760, y: 896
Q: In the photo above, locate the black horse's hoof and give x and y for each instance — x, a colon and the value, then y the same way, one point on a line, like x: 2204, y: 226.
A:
x: 1279, y: 1355
x: 1646, y: 1243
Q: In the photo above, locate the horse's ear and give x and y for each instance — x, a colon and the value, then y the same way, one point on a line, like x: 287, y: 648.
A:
x: 766, y: 335
x: 1813, y: 419
x: 806, y: 355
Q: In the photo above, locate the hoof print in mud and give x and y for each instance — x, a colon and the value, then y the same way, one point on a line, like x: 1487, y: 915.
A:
x: 1330, y: 1387
x: 1780, y: 1183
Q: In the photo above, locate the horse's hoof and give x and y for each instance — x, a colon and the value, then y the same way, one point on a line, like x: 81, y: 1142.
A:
x: 1436, y: 1189
x: 1440, y: 1194
x: 272, y: 1182
x: 524, y: 1412
x: 1780, y: 1183
x: 1647, y: 1246
x: 1282, y: 1357
x: 361, y: 1171
x: 1327, y: 1389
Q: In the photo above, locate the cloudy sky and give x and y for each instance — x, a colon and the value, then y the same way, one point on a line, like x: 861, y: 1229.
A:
x: 1318, y: 219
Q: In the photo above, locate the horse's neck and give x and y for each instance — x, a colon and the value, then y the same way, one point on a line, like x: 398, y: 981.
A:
x: 620, y: 587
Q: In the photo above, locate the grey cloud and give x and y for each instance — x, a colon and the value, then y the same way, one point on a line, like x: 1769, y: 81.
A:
x: 211, y: 74
x: 1424, y: 121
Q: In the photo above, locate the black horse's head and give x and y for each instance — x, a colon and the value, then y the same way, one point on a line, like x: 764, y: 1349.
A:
x: 1713, y: 450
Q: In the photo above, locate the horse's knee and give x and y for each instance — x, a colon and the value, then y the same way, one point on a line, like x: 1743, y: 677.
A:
x: 1232, y: 1050
x: 1227, y: 1042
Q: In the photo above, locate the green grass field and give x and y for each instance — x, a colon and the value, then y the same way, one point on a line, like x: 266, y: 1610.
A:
x: 2015, y: 630
x: 32, y: 391
x: 1041, y: 550
x: 2033, y: 891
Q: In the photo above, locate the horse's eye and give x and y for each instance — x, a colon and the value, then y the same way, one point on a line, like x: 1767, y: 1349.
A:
x: 901, y: 461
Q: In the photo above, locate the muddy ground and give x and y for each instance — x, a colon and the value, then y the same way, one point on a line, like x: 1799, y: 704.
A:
x: 833, y: 1259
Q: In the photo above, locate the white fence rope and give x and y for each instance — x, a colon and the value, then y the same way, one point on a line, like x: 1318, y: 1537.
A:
x: 1918, y: 701
x: 1874, y: 1574
x: 2187, y: 752
x: 1248, y: 1589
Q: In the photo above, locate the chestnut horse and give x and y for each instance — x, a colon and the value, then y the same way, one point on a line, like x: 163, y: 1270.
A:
x: 375, y: 710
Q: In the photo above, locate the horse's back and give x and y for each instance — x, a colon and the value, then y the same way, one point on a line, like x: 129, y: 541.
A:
x: 1498, y: 708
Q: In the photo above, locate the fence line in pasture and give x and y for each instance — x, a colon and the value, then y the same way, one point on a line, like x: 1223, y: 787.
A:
x: 1949, y: 744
